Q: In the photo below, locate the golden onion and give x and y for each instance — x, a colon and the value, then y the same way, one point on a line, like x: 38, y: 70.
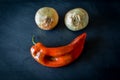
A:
x: 76, y: 19
x: 46, y: 18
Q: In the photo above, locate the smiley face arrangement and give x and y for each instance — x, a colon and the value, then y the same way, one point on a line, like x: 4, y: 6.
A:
x: 47, y: 18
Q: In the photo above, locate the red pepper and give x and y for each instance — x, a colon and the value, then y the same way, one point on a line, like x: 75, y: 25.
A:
x: 58, y: 56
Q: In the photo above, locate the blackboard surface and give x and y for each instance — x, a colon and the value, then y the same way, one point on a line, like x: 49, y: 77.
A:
x: 100, y: 59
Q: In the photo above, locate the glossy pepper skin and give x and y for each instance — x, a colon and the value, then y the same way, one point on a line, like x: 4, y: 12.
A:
x: 58, y: 56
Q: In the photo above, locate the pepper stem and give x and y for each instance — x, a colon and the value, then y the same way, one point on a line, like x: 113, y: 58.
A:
x: 33, y: 41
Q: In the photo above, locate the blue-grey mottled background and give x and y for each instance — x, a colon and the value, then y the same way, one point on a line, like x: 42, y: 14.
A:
x: 100, y: 59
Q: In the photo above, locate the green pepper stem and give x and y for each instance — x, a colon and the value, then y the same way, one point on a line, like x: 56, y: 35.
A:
x: 33, y: 41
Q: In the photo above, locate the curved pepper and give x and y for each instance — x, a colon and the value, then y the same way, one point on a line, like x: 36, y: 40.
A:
x: 58, y: 56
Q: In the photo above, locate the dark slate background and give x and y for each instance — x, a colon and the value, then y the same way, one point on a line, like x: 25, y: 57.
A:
x: 100, y: 59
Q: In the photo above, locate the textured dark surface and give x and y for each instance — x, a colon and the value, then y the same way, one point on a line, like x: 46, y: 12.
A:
x: 100, y: 59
